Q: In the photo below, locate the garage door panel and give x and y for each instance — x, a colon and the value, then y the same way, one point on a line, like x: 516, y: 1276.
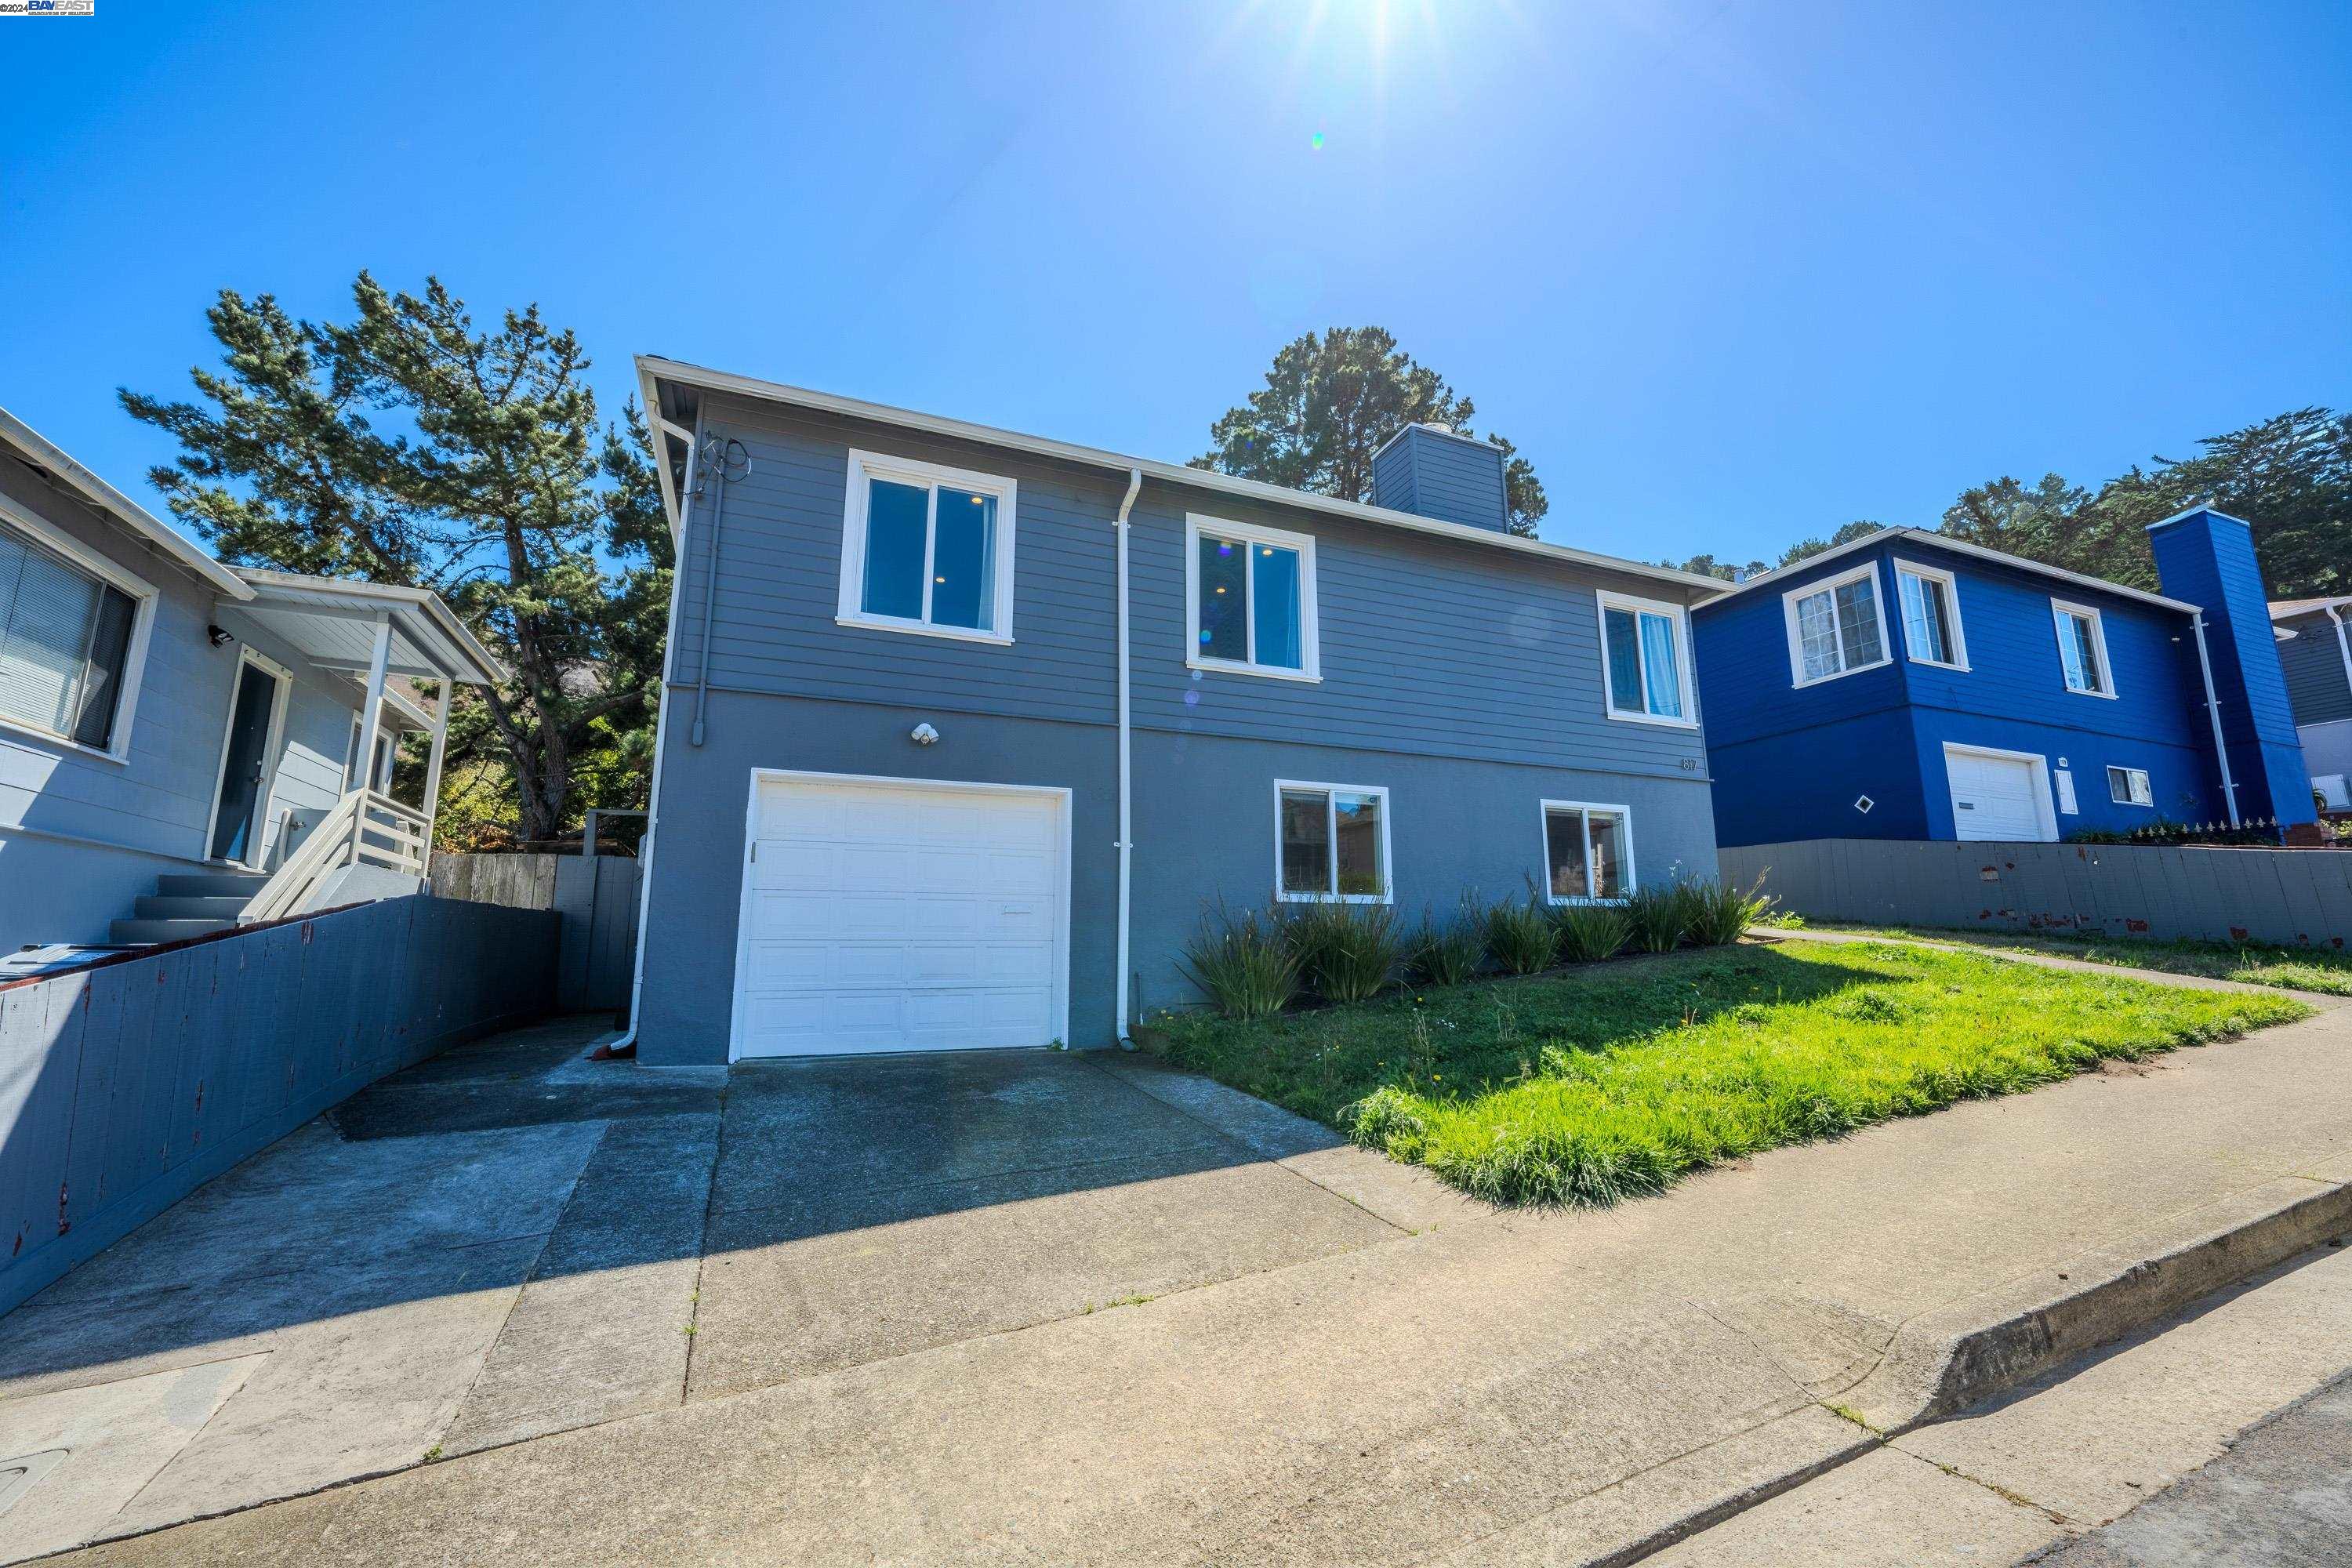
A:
x: 1994, y: 798
x: 883, y: 917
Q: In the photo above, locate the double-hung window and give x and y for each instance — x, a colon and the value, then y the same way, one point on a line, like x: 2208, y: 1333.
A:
x: 2083, y: 650
x: 1931, y: 615
x: 1648, y: 675
x: 70, y: 635
x: 927, y: 549
x: 2129, y: 787
x: 1249, y: 598
x: 1834, y: 627
x: 1331, y: 843
x: 1588, y: 851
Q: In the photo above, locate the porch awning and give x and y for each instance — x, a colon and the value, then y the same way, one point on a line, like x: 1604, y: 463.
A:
x: 333, y: 623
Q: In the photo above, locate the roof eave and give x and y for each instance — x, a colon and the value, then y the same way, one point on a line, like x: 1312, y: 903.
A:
x: 44, y: 453
x: 653, y: 370
x: 1935, y: 541
x: 484, y: 666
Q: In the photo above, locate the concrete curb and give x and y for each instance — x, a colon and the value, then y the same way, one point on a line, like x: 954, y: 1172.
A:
x: 1970, y: 1352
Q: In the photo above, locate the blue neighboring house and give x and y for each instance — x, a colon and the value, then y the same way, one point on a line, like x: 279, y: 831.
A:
x: 1910, y: 686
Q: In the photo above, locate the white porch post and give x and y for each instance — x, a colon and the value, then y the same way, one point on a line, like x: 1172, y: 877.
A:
x: 362, y: 773
x: 433, y: 763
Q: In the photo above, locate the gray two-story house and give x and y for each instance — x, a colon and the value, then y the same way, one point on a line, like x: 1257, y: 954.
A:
x: 965, y: 731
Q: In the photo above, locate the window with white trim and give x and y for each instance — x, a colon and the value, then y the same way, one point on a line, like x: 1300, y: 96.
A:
x: 1249, y: 598
x: 1331, y: 843
x: 1645, y: 652
x: 1931, y: 615
x: 67, y: 641
x: 927, y: 549
x: 1834, y: 628
x: 2083, y: 650
x: 2129, y: 787
x: 1588, y: 851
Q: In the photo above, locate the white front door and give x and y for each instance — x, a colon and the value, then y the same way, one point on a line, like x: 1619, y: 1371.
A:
x: 883, y: 915
x: 1999, y: 796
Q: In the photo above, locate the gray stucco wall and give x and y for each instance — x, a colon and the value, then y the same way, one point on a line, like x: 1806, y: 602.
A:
x: 1204, y: 831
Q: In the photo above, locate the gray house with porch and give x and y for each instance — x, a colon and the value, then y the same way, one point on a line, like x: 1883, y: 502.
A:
x: 964, y: 731
x: 185, y: 745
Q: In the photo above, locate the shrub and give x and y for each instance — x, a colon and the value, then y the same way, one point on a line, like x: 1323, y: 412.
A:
x: 1447, y: 952
x: 1521, y: 936
x: 1247, y: 966
x: 1662, y: 914
x: 1347, y: 953
x: 1591, y: 932
x: 1721, y: 914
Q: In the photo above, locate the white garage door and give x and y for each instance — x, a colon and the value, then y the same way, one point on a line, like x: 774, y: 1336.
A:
x: 1996, y: 798
x: 901, y: 916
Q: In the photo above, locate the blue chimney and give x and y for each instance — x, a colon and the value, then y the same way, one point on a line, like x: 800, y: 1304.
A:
x: 1430, y: 471
x: 2207, y: 558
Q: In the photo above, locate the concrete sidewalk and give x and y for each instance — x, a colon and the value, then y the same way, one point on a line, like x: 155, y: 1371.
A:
x: 1499, y: 1387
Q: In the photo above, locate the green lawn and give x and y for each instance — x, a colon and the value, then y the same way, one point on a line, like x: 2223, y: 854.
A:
x: 1590, y: 1085
x: 2323, y: 970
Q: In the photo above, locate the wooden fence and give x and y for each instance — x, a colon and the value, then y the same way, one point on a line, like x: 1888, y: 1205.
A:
x: 2292, y: 897
x: 596, y: 895
x: 126, y: 1086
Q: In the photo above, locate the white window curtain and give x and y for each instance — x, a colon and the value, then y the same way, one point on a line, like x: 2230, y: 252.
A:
x: 51, y: 611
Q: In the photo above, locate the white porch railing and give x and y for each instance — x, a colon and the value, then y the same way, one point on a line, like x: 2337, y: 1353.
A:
x: 366, y: 828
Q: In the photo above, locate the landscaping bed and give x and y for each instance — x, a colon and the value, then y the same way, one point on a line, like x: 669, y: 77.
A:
x: 2323, y: 970
x: 1601, y: 1082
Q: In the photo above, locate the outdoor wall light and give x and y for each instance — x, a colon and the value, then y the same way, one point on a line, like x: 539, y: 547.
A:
x: 923, y: 735
x: 221, y: 636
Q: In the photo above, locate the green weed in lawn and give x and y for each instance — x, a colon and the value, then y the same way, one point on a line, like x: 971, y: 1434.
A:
x: 1596, y: 1085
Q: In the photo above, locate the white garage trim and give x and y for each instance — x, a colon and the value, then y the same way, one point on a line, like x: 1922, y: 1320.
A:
x: 1059, y: 796
x: 2044, y: 812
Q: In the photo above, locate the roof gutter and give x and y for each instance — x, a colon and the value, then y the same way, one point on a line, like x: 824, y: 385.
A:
x: 2214, y: 711
x: 41, y: 452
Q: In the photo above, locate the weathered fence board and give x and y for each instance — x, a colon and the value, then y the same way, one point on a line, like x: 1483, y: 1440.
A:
x: 596, y: 897
x: 2289, y: 896
x: 124, y: 1088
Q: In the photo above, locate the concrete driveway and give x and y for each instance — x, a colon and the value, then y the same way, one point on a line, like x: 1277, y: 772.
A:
x: 510, y: 1241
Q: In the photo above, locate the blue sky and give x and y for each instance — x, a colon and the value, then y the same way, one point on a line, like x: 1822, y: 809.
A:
x: 1728, y: 273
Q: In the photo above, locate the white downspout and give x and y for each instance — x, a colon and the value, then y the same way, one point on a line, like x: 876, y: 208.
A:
x: 1126, y: 759
x: 2214, y: 711
x: 2343, y: 647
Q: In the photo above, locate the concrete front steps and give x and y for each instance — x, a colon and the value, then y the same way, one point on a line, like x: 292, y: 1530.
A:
x: 189, y: 904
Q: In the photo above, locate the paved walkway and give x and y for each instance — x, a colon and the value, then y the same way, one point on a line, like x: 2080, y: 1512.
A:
x: 1247, y: 1345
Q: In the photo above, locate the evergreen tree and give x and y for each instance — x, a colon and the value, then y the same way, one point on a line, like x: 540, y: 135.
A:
x: 1328, y: 405
x: 409, y: 446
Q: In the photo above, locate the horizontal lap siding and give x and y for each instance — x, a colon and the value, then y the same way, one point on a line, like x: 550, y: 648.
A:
x: 158, y: 798
x: 773, y: 622
x: 2314, y: 663
x: 1427, y: 646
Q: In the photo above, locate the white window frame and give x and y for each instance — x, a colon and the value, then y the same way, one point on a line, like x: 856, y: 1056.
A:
x: 866, y: 466
x: 2131, y: 776
x: 1310, y: 658
x: 1830, y: 585
x: 273, y: 741
x: 388, y: 738
x: 2059, y: 610
x: 1606, y: 601
x: 1330, y: 809
x: 1584, y: 808
x: 135, y: 656
x: 1952, y: 632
